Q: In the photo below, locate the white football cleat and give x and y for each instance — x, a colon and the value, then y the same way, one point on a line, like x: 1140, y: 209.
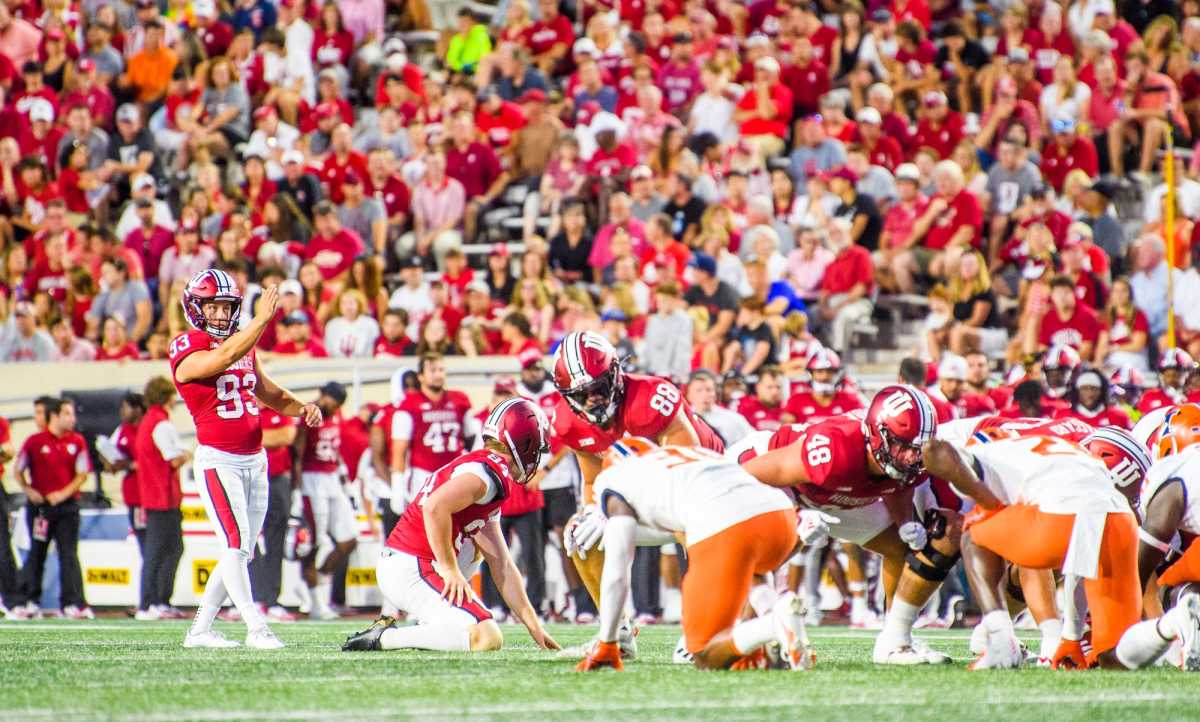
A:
x: 1189, y: 632
x: 263, y: 638
x: 903, y: 655
x: 73, y: 612
x: 681, y: 655
x: 788, y: 615
x: 865, y: 620
x: 24, y: 612
x: 931, y: 655
x: 1003, y: 651
x: 211, y: 639
x: 150, y: 614
x: 978, y: 643
x: 323, y: 614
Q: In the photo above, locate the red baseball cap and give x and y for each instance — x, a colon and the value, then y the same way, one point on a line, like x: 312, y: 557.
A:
x: 529, y: 357
x: 86, y: 65
x: 840, y: 172
x: 534, y: 95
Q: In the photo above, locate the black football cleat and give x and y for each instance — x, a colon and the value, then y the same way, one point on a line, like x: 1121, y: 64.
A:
x: 368, y: 639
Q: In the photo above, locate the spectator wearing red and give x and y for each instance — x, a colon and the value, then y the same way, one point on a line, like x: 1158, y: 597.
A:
x: 881, y: 97
x: 41, y: 138
x: 680, y: 78
x: 118, y: 456
x: 498, y: 119
x: 474, y: 165
x: 845, y: 294
x: 1068, y: 322
x: 916, y: 11
x: 332, y: 248
x: 1009, y: 110
x: 393, y: 336
x: 438, y: 205
x: 939, y: 128
x: 49, y: 273
x: 297, y: 338
x: 1068, y: 151
x: 479, y: 332
x: 33, y: 87
x: 881, y: 150
x: 51, y: 467
x: 212, y: 32
x: 149, y: 240
x: 615, y: 155
x: 764, y: 112
x: 341, y: 160
x: 951, y: 221
x: 1123, y: 341
x: 1090, y: 289
x: 550, y: 38
x: 386, y: 186
x: 951, y: 396
x: 158, y: 453
x: 764, y: 410
x: 114, y: 342
x: 663, y: 258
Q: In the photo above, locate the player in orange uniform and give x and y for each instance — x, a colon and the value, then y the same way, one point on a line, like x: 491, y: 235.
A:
x: 735, y: 529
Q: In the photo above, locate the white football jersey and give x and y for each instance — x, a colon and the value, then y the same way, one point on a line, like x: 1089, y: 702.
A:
x: 695, y: 492
x: 957, y: 431
x: 756, y: 442
x: 1055, y: 475
x: 1184, y: 467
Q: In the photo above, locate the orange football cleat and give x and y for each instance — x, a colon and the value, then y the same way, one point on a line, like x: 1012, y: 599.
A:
x: 603, y: 654
x: 755, y: 660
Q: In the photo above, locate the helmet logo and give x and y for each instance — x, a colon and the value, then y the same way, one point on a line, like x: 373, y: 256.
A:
x: 896, y: 404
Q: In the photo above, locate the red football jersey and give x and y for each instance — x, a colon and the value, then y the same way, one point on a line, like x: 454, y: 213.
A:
x: 223, y: 406
x: 834, y: 453
x: 409, y: 533
x: 356, y: 441
x: 1157, y: 398
x: 383, y: 420
x: 651, y: 403
x: 435, y: 430
x: 323, y: 445
x: 805, y: 408
x: 1069, y: 428
x: 760, y: 416
x: 1107, y: 416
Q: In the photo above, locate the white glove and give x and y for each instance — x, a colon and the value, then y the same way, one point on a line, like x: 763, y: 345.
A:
x: 813, y: 526
x: 399, y: 497
x: 589, y: 531
x: 297, y: 506
x: 914, y: 535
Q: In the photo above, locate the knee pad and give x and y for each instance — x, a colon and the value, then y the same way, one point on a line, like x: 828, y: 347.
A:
x: 931, y: 565
x: 1012, y: 584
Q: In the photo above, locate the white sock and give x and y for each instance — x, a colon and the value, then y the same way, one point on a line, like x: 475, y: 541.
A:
x: 858, y: 606
x: 1144, y: 642
x: 762, y: 599
x: 305, y: 595
x: 323, y: 592
x: 236, y: 575
x: 898, y: 623
x: 753, y: 633
x: 997, y: 621
x: 1051, y: 636
x: 211, y: 601
x: 436, y: 637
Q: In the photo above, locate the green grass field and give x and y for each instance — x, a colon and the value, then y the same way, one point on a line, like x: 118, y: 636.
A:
x: 125, y: 670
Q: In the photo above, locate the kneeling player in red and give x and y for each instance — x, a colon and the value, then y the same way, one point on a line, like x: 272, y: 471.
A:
x: 454, y: 520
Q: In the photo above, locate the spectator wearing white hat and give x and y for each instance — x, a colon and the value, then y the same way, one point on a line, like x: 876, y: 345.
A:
x: 131, y: 149
x: 143, y: 186
x: 272, y: 139
x: 765, y: 110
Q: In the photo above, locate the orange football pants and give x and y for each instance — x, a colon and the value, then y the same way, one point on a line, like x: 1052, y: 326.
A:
x: 1032, y: 538
x: 1184, y: 569
x: 722, y: 567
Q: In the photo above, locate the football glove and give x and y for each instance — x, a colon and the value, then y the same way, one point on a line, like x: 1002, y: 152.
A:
x: 588, y: 531
x: 1069, y: 655
x: 399, y: 498
x: 914, y: 535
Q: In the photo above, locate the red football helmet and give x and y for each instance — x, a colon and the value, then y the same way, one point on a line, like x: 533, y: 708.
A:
x: 588, y: 374
x: 520, y: 425
x: 899, y: 421
x: 1121, y: 453
x: 824, y: 359
x: 212, y: 285
x: 1059, y: 362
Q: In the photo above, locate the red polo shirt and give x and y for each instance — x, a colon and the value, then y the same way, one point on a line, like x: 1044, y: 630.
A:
x: 333, y: 173
x: 851, y: 267
x: 345, y: 243
x: 279, y: 458
x: 543, y: 35
x: 54, y: 461
x: 963, y: 210
x: 942, y: 137
x: 781, y: 97
x: 1058, y: 161
x: 158, y: 483
x: 475, y: 166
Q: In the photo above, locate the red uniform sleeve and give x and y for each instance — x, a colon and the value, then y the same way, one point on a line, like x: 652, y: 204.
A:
x: 184, y: 345
x: 5, y: 431
x: 650, y: 405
